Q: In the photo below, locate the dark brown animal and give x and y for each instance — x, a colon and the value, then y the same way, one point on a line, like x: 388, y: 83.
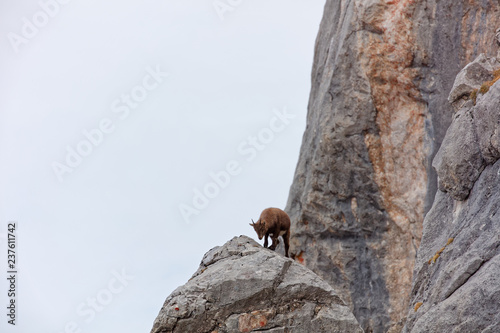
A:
x: 273, y: 222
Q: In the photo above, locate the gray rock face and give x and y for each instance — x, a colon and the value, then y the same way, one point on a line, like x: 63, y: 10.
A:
x: 456, y: 286
x: 460, y: 289
x: 459, y: 161
x: 377, y: 114
x: 242, y: 287
x: 487, y: 120
x: 471, y: 142
x: 472, y: 77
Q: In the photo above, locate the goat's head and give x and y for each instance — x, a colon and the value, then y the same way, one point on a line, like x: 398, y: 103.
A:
x: 260, y: 228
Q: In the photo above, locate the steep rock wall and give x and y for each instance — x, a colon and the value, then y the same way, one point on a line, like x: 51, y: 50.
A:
x: 377, y: 114
x: 456, y: 287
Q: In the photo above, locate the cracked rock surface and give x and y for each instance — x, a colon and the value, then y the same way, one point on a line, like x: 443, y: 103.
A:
x: 456, y: 284
x: 242, y: 287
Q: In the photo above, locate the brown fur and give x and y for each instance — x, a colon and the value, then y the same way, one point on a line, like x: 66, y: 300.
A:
x: 273, y: 222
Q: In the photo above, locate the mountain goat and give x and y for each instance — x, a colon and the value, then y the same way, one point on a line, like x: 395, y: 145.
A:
x: 273, y: 222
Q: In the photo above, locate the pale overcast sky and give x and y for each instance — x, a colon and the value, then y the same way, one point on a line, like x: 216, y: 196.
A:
x: 134, y: 137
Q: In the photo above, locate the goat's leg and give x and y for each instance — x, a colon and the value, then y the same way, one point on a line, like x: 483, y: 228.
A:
x: 286, y: 239
x: 265, y: 240
x: 275, y: 243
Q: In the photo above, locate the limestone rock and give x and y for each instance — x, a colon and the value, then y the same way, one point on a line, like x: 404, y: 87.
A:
x: 377, y: 114
x: 459, y: 161
x: 472, y: 77
x: 459, y: 288
x: 471, y: 142
x: 242, y: 287
x: 456, y: 285
x: 487, y: 120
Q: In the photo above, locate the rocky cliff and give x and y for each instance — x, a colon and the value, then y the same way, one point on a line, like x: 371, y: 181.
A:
x: 242, y: 287
x: 377, y: 115
x: 456, y: 286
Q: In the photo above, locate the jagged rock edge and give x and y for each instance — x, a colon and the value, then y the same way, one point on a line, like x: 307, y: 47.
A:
x: 272, y: 291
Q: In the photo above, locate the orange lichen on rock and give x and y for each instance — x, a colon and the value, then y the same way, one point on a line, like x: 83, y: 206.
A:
x: 438, y: 253
x: 436, y: 256
x: 248, y: 322
x: 396, y: 150
x: 418, y: 305
x: 485, y: 87
x: 300, y: 257
x: 473, y: 96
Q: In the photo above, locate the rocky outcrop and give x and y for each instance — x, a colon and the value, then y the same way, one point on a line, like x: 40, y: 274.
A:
x: 472, y: 141
x: 377, y: 114
x: 242, y: 287
x: 459, y: 161
x: 456, y: 286
x: 471, y: 78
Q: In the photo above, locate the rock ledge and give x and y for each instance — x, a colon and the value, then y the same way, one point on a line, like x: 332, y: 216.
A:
x: 242, y: 287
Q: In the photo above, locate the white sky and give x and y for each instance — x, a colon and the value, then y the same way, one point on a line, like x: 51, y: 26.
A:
x: 118, y: 210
